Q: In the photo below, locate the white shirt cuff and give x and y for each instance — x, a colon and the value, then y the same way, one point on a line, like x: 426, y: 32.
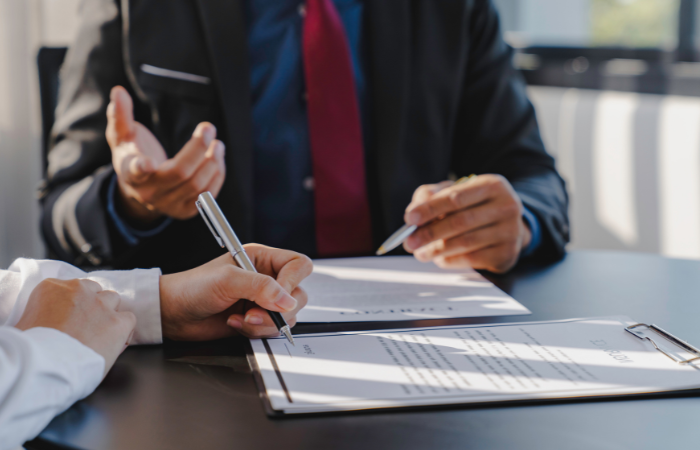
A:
x: 140, y: 293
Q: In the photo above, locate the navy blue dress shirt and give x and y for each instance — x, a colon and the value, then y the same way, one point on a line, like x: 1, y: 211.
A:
x: 283, y: 181
x: 284, y: 203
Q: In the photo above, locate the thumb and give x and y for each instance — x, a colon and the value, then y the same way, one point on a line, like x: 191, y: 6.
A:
x: 288, y: 268
x: 120, y: 115
x: 294, y: 272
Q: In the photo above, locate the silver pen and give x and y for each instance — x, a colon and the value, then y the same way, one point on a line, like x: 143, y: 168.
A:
x: 405, y: 231
x: 225, y: 236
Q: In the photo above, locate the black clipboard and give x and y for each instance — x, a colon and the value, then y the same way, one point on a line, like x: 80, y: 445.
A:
x: 632, y: 329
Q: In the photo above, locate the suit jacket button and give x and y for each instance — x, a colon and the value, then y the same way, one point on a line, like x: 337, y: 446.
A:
x: 309, y: 183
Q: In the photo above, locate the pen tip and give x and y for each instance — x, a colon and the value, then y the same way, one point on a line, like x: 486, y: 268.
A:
x: 288, y: 334
x: 381, y: 251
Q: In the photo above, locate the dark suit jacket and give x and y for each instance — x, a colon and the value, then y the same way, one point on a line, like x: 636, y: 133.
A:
x: 444, y: 99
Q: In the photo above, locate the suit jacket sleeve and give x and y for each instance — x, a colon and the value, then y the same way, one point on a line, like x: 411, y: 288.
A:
x: 75, y: 223
x: 497, y: 132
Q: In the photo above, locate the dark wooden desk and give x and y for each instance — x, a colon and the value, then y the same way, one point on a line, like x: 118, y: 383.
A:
x: 161, y: 397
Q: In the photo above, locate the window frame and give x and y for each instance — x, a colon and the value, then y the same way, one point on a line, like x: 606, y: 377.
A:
x: 657, y: 71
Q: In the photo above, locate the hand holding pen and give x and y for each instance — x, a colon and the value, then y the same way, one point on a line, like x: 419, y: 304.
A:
x: 477, y: 222
x: 219, y: 299
x: 288, y: 276
x: 406, y: 231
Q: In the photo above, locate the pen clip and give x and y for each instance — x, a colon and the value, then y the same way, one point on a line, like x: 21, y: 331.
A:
x: 203, y: 213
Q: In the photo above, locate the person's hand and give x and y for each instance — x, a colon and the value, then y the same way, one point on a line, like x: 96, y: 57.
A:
x: 207, y: 302
x: 476, y: 224
x: 82, y: 310
x: 150, y: 184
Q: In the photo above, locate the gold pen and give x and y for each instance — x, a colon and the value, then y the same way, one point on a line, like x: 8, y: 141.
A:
x: 405, y: 231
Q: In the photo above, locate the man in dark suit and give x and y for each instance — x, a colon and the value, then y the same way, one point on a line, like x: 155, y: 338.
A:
x: 332, y: 116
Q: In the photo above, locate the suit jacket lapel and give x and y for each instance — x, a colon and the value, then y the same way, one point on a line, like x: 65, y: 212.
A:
x: 388, y: 38
x: 223, y: 22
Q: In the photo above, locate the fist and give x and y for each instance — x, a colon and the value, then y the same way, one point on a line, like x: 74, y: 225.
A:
x: 82, y: 310
x: 151, y: 185
x: 476, y: 224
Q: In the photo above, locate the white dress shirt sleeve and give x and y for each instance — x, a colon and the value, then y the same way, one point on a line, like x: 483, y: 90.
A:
x: 44, y: 371
x: 139, y: 290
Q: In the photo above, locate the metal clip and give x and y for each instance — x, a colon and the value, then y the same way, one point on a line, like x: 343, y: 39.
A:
x: 211, y: 227
x: 669, y: 337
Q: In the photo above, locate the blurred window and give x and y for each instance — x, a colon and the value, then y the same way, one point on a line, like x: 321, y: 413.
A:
x: 635, y: 23
x: 591, y: 23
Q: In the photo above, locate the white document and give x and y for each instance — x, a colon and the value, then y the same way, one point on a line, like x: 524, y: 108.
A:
x: 399, y: 288
x: 464, y: 364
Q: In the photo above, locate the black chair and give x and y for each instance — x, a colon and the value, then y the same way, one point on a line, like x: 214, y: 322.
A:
x: 49, y: 62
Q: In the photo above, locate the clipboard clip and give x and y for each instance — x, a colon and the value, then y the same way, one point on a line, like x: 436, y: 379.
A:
x: 669, y: 337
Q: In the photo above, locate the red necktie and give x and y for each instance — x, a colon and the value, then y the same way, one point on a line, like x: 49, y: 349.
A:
x: 343, y: 224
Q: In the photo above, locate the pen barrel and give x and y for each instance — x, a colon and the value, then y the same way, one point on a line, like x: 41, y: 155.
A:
x: 244, y: 261
x: 223, y: 228
x: 278, y: 319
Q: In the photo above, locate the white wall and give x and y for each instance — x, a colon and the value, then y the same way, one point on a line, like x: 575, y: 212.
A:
x: 59, y: 21
x: 632, y: 164
x: 25, y: 25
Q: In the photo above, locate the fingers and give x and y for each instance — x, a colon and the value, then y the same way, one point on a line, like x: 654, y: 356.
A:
x: 140, y: 166
x: 454, y: 198
x: 256, y: 322
x: 156, y: 184
x: 210, y: 169
x: 110, y: 299
x: 215, y: 185
x: 88, y: 285
x: 195, y: 169
x: 425, y: 192
x: 251, y: 331
x: 497, y: 259
x: 477, y: 224
x: 131, y: 164
x: 294, y: 272
x: 288, y: 267
x: 184, y: 165
x: 462, y: 221
x: 113, y: 336
x: 469, y: 242
x: 258, y: 288
x: 120, y: 116
x: 259, y: 316
x: 135, y: 168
